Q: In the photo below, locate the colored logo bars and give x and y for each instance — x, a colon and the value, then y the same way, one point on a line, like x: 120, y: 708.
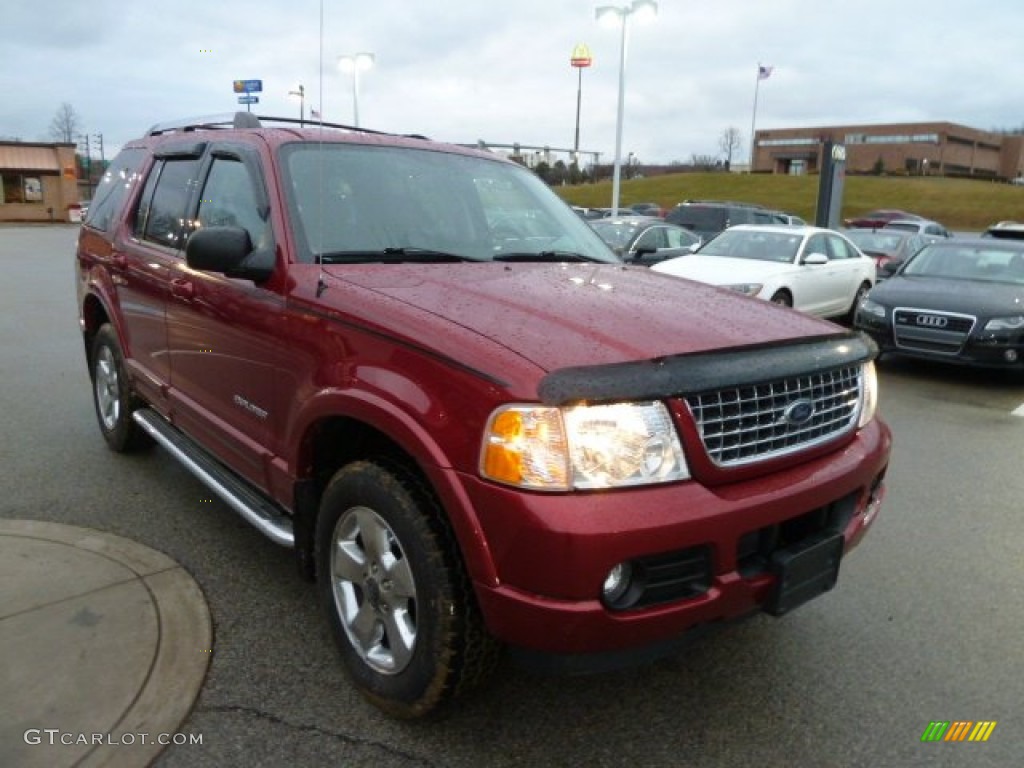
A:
x: 958, y: 730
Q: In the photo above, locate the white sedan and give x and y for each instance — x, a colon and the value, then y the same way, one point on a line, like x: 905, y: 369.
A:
x: 818, y: 271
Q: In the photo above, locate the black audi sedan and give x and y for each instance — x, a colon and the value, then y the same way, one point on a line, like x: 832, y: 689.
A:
x: 960, y: 301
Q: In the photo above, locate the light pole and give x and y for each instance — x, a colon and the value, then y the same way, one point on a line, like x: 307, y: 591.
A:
x: 612, y: 15
x: 356, y: 63
x: 301, y: 93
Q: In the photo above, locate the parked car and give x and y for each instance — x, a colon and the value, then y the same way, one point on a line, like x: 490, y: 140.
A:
x: 591, y: 213
x: 887, y: 246
x: 647, y: 209
x: 781, y: 217
x: 957, y: 301
x: 815, y: 270
x: 1005, y: 230
x: 643, y: 240
x: 879, y: 218
x: 920, y: 226
x: 412, y: 364
x: 707, y: 218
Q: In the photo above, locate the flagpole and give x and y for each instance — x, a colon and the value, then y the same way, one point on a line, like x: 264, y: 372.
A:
x: 753, y: 119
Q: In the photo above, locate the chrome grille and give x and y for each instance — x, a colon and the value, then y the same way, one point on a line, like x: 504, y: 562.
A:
x: 746, y: 424
x: 923, y: 329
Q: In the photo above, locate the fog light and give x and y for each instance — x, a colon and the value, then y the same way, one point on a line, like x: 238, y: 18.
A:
x: 1010, y: 355
x: 616, y: 583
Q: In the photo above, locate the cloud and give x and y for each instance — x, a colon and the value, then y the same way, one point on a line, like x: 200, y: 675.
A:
x: 462, y: 70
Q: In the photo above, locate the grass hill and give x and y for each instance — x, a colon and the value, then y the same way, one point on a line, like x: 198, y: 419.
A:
x: 960, y: 204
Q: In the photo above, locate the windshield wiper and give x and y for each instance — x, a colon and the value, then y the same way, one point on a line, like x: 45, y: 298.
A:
x: 394, y: 256
x: 557, y: 256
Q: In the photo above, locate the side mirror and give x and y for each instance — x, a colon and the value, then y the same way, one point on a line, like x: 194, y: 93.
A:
x: 228, y: 250
x: 815, y: 259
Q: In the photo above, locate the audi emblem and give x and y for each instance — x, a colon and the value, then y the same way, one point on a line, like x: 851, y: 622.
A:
x: 932, y: 321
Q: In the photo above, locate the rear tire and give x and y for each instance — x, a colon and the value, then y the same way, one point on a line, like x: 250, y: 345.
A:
x: 112, y: 395
x: 398, y: 600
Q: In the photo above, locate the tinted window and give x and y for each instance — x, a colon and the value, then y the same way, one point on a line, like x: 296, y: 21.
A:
x: 162, y: 212
x: 229, y: 200
x: 699, y: 218
x: 113, y: 189
x: 652, y: 238
x: 969, y: 262
x: 679, y: 238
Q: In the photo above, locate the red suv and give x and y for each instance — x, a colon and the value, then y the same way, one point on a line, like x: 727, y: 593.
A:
x: 414, y: 365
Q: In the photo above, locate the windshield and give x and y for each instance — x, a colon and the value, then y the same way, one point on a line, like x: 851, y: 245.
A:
x: 986, y: 263
x: 758, y: 246
x: 617, y: 234
x: 353, y: 202
x: 876, y: 242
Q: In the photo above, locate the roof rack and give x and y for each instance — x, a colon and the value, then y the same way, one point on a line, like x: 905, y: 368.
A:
x: 239, y: 120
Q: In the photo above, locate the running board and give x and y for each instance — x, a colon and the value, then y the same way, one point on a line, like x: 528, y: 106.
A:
x: 255, y: 508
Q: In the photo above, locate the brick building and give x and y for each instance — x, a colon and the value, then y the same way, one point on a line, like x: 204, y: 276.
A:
x: 935, y: 149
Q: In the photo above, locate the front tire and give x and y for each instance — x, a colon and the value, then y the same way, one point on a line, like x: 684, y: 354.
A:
x: 861, y: 294
x: 112, y: 395
x: 782, y: 298
x: 398, y: 600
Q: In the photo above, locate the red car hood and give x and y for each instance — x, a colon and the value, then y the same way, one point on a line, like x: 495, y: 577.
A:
x: 561, y: 315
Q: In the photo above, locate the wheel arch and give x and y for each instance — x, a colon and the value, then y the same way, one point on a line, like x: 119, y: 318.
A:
x: 94, y: 315
x: 351, y: 428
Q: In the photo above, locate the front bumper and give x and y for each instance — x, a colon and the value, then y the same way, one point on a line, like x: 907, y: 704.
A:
x: 980, y: 349
x: 552, y: 553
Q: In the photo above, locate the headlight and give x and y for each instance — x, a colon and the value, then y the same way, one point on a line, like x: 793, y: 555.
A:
x: 869, y: 307
x: 582, y: 447
x: 747, y: 289
x: 1014, y: 323
x: 869, y: 394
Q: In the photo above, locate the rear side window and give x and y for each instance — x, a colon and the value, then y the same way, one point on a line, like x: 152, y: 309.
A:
x: 699, y: 218
x: 114, y: 189
x: 161, y: 217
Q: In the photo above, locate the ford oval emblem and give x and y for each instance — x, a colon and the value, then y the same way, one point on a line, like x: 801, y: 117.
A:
x: 798, y: 412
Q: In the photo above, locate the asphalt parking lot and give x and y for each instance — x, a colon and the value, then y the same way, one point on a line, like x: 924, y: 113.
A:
x: 926, y: 623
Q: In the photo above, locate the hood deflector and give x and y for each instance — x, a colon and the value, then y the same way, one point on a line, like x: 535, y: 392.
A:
x: 704, y: 371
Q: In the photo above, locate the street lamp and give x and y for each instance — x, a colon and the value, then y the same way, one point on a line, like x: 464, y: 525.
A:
x: 356, y: 63
x: 301, y: 93
x: 611, y: 15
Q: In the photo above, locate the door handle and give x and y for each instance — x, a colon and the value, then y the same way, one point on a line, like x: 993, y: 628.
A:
x: 183, y: 289
x: 118, y: 259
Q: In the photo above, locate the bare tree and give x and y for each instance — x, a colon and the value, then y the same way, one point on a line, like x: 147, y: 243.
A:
x: 730, y: 142
x: 64, y: 126
x: 704, y: 162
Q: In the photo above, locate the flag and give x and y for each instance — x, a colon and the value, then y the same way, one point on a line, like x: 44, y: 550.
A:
x: 314, y: 115
x: 763, y: 72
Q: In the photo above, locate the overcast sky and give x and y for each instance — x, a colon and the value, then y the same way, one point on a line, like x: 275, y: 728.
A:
x: 464, y: 70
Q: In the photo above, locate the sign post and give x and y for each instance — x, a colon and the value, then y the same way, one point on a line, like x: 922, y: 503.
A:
x: 830, y: 185
x: 580, y: 59
x: 247, y: 87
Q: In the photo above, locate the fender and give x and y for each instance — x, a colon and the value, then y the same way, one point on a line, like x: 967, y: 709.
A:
x: 401, y: 427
